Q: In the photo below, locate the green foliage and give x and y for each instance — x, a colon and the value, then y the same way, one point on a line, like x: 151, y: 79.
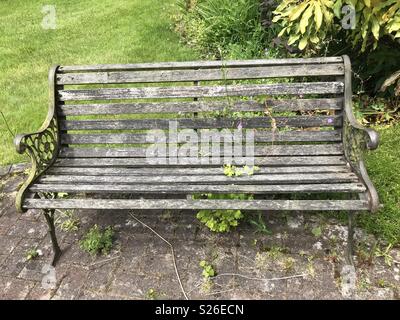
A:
x: 68, y: 221
x: 208, y: 269
x: 374, y: 19
x: 233, y: 171
x: 259, y: 224
x: 304, y: 22
x: 385, y: 253
x: 98, y: 241
x: 222, y: 220
x: 31, y: 254
x: 308, y: 23
x: 152, y: 294
x: 223, y: 28
x: 376, y: 110
x: 316, y: 231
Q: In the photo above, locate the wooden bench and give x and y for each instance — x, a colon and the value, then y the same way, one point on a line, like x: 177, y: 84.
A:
x: 308, y: 144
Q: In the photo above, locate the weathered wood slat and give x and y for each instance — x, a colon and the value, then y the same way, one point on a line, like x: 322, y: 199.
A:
x: 202, y: 91
x: 188, y: 188
x: 298, y: 136
x: 118, y: 77
x: 202, y: 123
x: 274, y: 150
x: 292, y: 178
x: 201, y: 106
x: 186, y: 171
x: 259, y: 136
x: 271, y: 205
x: 190, y: 162
x: 199, y: 64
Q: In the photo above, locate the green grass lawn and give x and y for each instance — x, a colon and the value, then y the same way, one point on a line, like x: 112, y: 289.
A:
x: 384, y: 169
x: 123, y: 31
x: 88, y: 32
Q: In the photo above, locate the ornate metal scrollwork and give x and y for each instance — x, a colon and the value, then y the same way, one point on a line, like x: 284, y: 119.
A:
x: 42, y: 146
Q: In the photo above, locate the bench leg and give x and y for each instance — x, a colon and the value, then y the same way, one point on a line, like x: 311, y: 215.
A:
x: 49, y: 215
x: 350, y: 234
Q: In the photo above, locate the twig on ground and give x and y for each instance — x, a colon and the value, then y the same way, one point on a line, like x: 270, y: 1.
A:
x: 218, y: 292
x: 172, y: 251
x: 103, y: 261
x: 302, y: 275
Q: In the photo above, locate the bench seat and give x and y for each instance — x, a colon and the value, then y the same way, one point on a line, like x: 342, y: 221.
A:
x: 324, y: 174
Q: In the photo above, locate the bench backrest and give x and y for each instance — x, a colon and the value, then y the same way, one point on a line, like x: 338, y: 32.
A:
x: 104, y: 111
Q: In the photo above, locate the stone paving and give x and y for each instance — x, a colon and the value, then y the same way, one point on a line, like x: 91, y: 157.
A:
x: 140, y: 265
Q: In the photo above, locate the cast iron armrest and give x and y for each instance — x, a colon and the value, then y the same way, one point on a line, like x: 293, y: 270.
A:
x: 41, y: 146
x: 357, y: 139
x: 370, y: 135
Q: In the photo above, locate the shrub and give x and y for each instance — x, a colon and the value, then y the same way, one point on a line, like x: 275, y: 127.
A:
x: 315, y: 28
x: 97, y: 240
x: 308, y: 23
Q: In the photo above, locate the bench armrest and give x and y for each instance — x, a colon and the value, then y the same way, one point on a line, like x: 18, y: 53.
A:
x: 371, y: 137
x: 41, y: 146
x: 357, y: 139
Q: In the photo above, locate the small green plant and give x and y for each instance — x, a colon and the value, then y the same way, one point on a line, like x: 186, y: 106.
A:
x: 288, y: 264
x: 233, y: 171
x: 32, y: 254
x: 275, y: 252
x: 310, y: 267
x: 70, y: 223
x: 317, y: 232
x: 151, y: 294
x: 208, y: 269
x: 222, y: 220
x: 259, y: 224
x: 385, y: 253
x: 98, y: 241
x: 382, y: 283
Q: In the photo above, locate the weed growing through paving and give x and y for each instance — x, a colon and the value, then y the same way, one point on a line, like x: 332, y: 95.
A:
x: 32, y: 254
x: 98, y: 240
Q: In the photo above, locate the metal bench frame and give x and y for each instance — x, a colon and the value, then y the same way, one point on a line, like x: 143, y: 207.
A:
x: 46, y: 145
